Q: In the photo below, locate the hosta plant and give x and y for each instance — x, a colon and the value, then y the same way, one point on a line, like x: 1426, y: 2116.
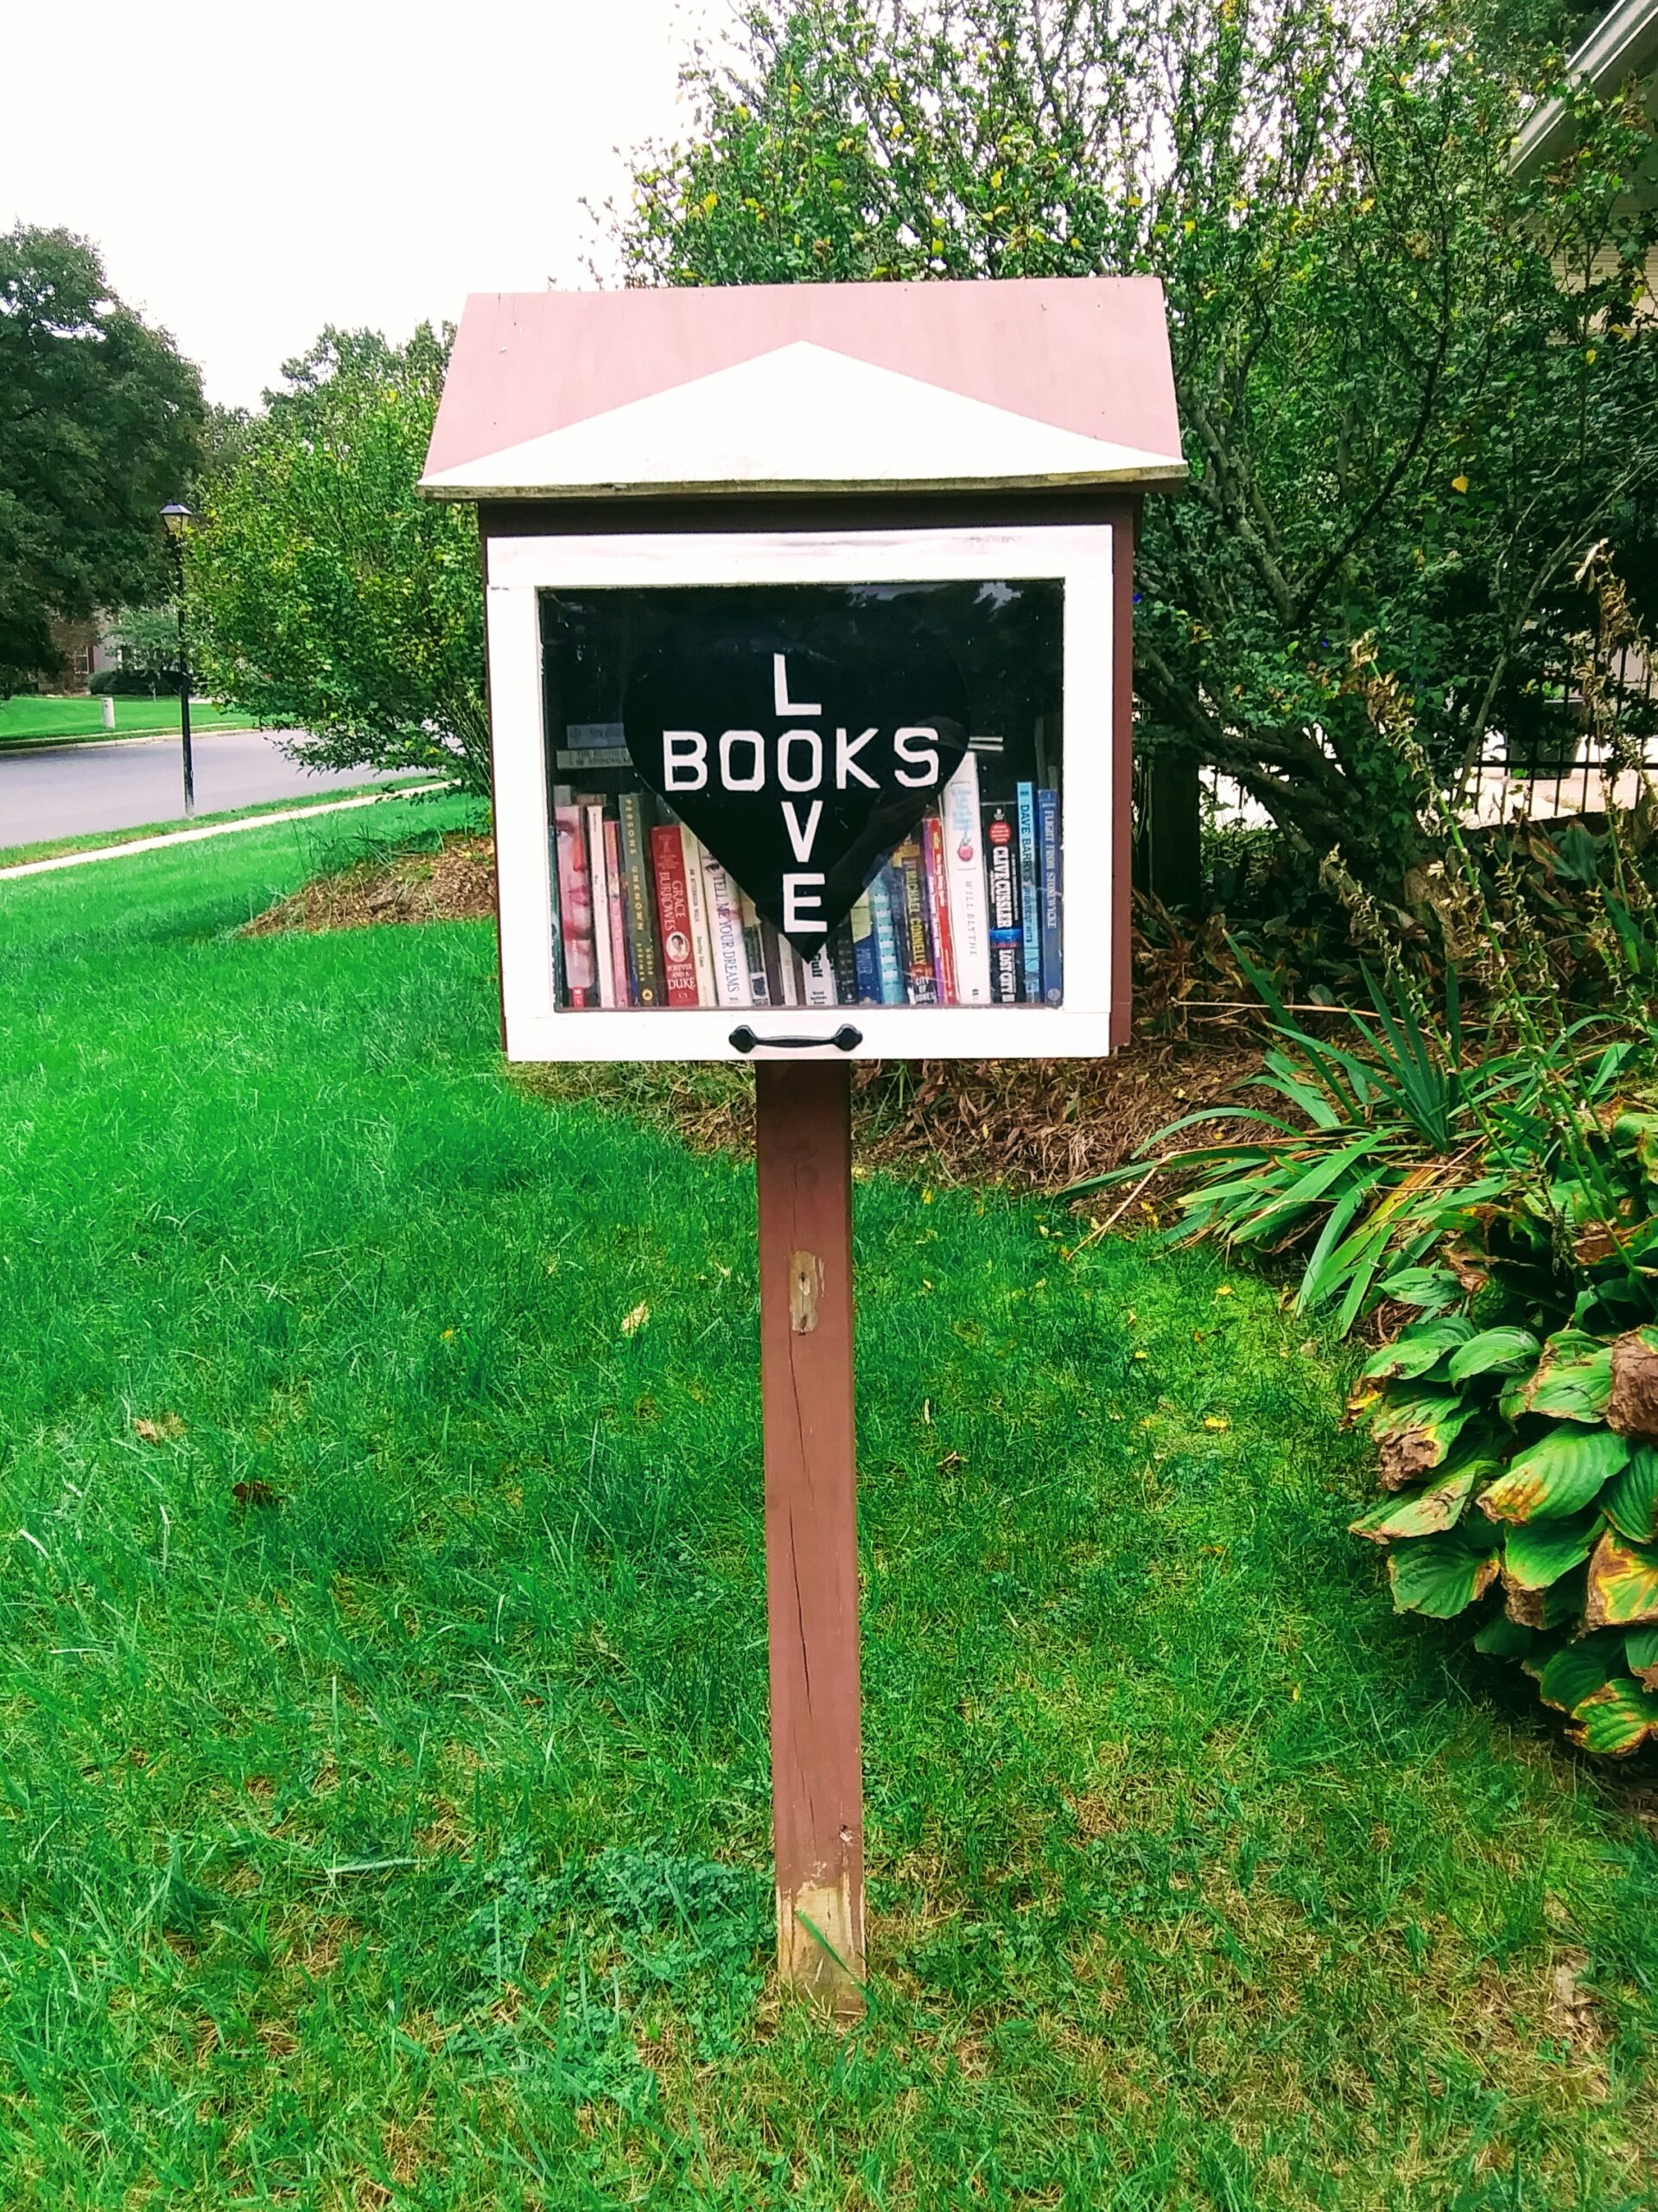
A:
x: 1516, y: 1427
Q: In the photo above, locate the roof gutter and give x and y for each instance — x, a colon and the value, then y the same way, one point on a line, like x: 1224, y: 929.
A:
x: 1623, y: 44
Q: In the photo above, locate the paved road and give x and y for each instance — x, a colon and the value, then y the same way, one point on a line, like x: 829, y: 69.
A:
x: 63, y: 791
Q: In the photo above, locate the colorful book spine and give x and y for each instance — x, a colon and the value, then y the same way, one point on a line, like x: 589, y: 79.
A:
x: 616, y: 898
x: 866, y: 967
x: 1053, y: 969
x: 673, y: 908
x: 760, y: 982
x: 846, y: 972
x: 888, y: 966
x: 696, y: 906
x: 726, y: 928
x: 1030, y: 902
x: 557, y: 915
x: 575, y: 906
x: 936, y: 883
x: 820, y: 980
x: 1001, y: 885
x: 915, y: 954
x: 969, y: 920
x: 598, y: 874
x: 643, y: 953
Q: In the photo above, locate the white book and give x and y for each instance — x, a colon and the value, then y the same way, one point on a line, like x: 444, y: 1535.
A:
x: 726, y: 929
x: 599, y: 875
x: 697, y: 910
x: 970, y: 911
x: 820, y: 980
x: 788, y: 972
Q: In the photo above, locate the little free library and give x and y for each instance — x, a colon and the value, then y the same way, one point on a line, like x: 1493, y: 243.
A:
x: 809, y: 616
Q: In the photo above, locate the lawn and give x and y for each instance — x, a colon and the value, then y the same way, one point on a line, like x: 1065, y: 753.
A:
x: 59, y: 721
x: 382, y: 1667
x: 93, y: 841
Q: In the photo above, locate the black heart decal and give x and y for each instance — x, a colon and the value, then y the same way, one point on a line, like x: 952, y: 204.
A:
x: 800, y: 743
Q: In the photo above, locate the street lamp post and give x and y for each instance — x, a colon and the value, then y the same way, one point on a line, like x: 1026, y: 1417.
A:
x: 177, y: 516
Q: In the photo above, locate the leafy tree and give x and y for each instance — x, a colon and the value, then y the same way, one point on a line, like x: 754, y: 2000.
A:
x: 149, y: 640
x: 326, y: 594
x: 99, y: 421
x: 1414, y: 394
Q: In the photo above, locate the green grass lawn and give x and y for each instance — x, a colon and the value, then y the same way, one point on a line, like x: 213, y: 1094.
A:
x: 58, y: 722
x: 382, y: 1724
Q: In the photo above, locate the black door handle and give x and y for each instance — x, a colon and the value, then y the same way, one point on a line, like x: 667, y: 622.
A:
x: 845, y: 1040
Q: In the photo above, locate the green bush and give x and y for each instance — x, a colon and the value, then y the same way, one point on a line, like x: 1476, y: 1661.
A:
x: 133, y: 682
x: 1504, y: 1194
x: 1516, y: 1427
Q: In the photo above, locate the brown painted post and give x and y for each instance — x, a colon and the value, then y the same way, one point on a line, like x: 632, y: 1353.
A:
x: 804, y: 1158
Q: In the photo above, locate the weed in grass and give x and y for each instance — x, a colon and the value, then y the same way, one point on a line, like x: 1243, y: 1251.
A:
x: 386, y: 1803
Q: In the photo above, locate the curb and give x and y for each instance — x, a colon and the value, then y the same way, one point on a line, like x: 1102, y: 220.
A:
x: 215, y: 829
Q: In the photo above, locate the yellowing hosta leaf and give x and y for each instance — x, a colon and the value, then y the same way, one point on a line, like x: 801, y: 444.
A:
x: 1623, y: 1591
x: 1571, y: 1382
x: 1617, y: 1719
x: 1415, y: 1430
x: 1439, y: 1575
x: 1632, y: 1501
x: 1542, y: 1551
x: 1558, y: 1475
x: 1424, y: 1511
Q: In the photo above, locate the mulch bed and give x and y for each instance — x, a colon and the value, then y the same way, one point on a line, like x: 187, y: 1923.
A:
x: 1028, y: 1124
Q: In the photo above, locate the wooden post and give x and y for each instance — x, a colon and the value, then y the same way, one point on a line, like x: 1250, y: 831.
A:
x: 804, y: 1158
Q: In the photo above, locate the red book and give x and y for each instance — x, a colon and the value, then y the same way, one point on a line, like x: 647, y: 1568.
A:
x: 936, y: 879
x: 575, y: 906
x: 673, y: 906
x: 618, y: 911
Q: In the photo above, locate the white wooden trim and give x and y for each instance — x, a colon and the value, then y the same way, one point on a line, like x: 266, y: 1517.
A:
x: 1077, y: 556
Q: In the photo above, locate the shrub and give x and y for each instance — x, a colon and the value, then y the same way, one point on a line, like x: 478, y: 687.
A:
x: 133, y: 682
x: 1507, y: 1200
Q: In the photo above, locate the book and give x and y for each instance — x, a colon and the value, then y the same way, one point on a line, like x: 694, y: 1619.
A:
x: 969, y: 920
x: 910, y: 919
x: 820, y: 980
x: 1052, y: 875
x: 598, y: 876
x: 760, y: 981
x: 615, y: 895
x: 866, y: 967
x: 673, y: 909
x: 1030, y: 906
x: 840, y: 959
x: 575, y: 906
x: 1002, y: 888
x: 638, y: 904
x: 936, y: 884
x: 557, y: 918
x: 696, y: 906
x: 889, y: 969
x: 726, y: 929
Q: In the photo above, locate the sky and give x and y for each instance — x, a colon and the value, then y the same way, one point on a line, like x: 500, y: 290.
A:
x: 251, y: 173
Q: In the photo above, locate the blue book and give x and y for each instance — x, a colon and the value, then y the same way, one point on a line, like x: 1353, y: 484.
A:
x: 888, y: 965
x: 1047, y: 835
x: 1029, y: 904
x: 866, y: 966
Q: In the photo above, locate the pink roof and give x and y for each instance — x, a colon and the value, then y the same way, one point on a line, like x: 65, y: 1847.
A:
x: 1087, y: 356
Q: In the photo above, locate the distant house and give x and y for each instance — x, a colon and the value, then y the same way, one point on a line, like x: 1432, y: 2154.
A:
x: 84, y: 648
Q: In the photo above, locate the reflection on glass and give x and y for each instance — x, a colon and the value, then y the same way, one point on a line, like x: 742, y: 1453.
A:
x: 806, y: 795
